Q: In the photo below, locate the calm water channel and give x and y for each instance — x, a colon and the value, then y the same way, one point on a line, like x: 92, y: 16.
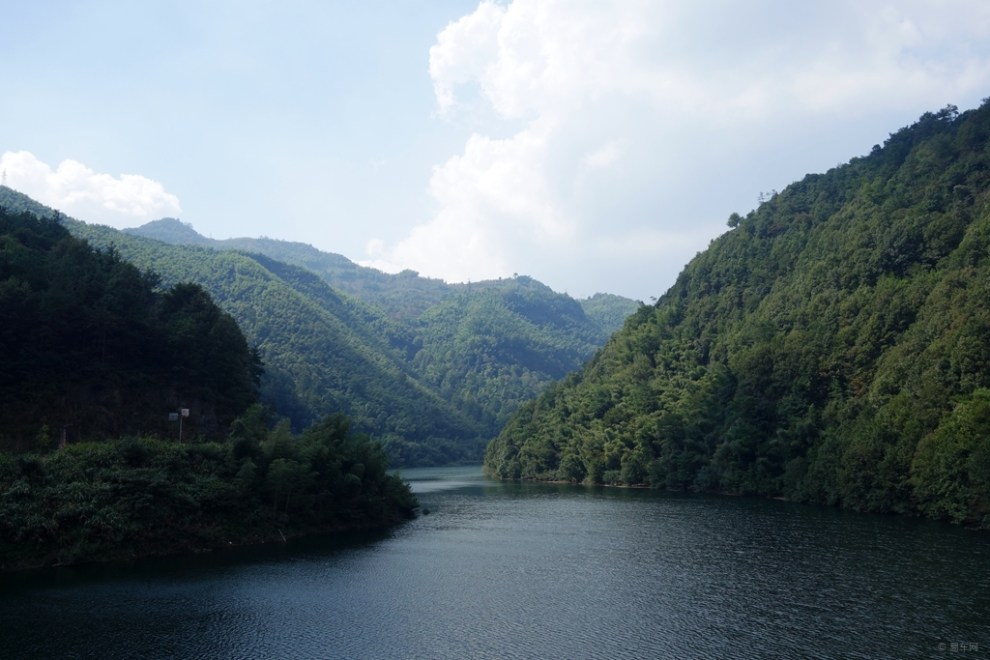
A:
x: 537, y: 571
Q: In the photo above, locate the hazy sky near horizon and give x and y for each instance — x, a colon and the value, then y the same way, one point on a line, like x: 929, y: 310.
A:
x: 595, y: 145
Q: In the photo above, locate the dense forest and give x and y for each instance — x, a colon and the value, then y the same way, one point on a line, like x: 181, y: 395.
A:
x: 489, y: 350
x: 404, y: 296
x: 142, y: 496
x: 484, y: 346
x: 89, y: 346
x: 430, y: 370
x: 833, y: 347
x: 101, y: 370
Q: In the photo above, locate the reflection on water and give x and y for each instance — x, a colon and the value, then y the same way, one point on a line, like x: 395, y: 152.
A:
x: 431, y: 479
x: 531, y: 571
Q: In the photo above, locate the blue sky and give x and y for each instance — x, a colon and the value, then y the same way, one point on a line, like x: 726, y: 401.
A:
x: 594, y: 145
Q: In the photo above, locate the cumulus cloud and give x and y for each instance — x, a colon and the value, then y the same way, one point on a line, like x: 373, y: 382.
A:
x: 623, y: 133
x: 78, y: 191
x: 493, y: 196
x: 463, y: 49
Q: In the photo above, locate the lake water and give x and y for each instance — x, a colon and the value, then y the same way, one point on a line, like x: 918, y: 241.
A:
x: 500, y: 570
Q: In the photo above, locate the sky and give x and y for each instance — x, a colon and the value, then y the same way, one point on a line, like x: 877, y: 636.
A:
x: 595, y: 145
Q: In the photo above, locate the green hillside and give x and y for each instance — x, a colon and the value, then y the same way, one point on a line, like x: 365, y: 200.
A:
x: 484, y: 347
x: 404, y: 296
x: 431, y: 370
x: 491, y: 349
x: 323, y: 353
x: 608, y: 310
x: 101, y: 371
x: 91, y: 347
x: 833, y: 346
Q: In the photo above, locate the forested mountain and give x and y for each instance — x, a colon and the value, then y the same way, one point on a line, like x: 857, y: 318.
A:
x: 404, y: 296
x: 485, y: 347
x: 323, y: 353
x: 89, y: 347
x: 833, y: 346
x: 122, y: 498
x: 608, y: 310
x: 100, y: 370
x: 491, y: 348
x: 429, y: 369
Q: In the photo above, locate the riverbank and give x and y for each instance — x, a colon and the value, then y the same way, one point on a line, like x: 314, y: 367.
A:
x: 123, y: 500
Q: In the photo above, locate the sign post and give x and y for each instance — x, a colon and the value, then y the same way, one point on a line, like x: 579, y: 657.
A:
x: 183, y: 412
x: 177, y: 416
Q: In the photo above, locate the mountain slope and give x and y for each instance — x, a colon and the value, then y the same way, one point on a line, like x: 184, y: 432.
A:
x: 433, y: 370
x: 404, y: 296
x: 834, y: 346
x: 100, y: 361
x: 485, y: 347
x: 323, y: 353
x: 89, y: 348
x: 493, y: 348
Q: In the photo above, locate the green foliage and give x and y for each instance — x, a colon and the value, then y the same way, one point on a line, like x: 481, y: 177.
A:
x: 90, y: 347
x: 324, y: 353
x: 141, y: 496
x: 833, y: 347
x: 433, y: 370
x: 950, y: 471
x: 488, y: 350
x: 609, y: 311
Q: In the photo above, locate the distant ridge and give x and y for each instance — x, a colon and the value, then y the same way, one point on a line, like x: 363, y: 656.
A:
x: 402, y: 294
x: 172, y: 231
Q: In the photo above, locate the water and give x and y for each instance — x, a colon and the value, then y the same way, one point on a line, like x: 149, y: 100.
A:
x: 537, y: 571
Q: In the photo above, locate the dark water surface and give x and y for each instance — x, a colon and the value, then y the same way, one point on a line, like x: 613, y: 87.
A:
x: 537, y: 571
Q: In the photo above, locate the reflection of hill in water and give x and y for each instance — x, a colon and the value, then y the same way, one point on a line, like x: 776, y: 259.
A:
x: 436, y: 479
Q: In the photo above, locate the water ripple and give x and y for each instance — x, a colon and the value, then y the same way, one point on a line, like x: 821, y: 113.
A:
x: 529, y: 571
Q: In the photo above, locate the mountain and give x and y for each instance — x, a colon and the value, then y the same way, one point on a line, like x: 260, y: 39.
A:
x: 833, y: 347
x: 431, y: 370
x: 608, y: 310
x: 493, y: 346
x: 323, y: 353
x: 404, y: 295
x: 100, y: 360
x: 486, y: 347
x: 91, y: 348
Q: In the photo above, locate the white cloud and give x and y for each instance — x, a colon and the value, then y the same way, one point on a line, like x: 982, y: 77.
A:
x: 604, y: 156
x: 895, y: 55
x: 635, y: 126
x: 463, y: 50
x: 534, y: 56
x: 493, y: 196
x: 78, y: 191
x: 649, y: 242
